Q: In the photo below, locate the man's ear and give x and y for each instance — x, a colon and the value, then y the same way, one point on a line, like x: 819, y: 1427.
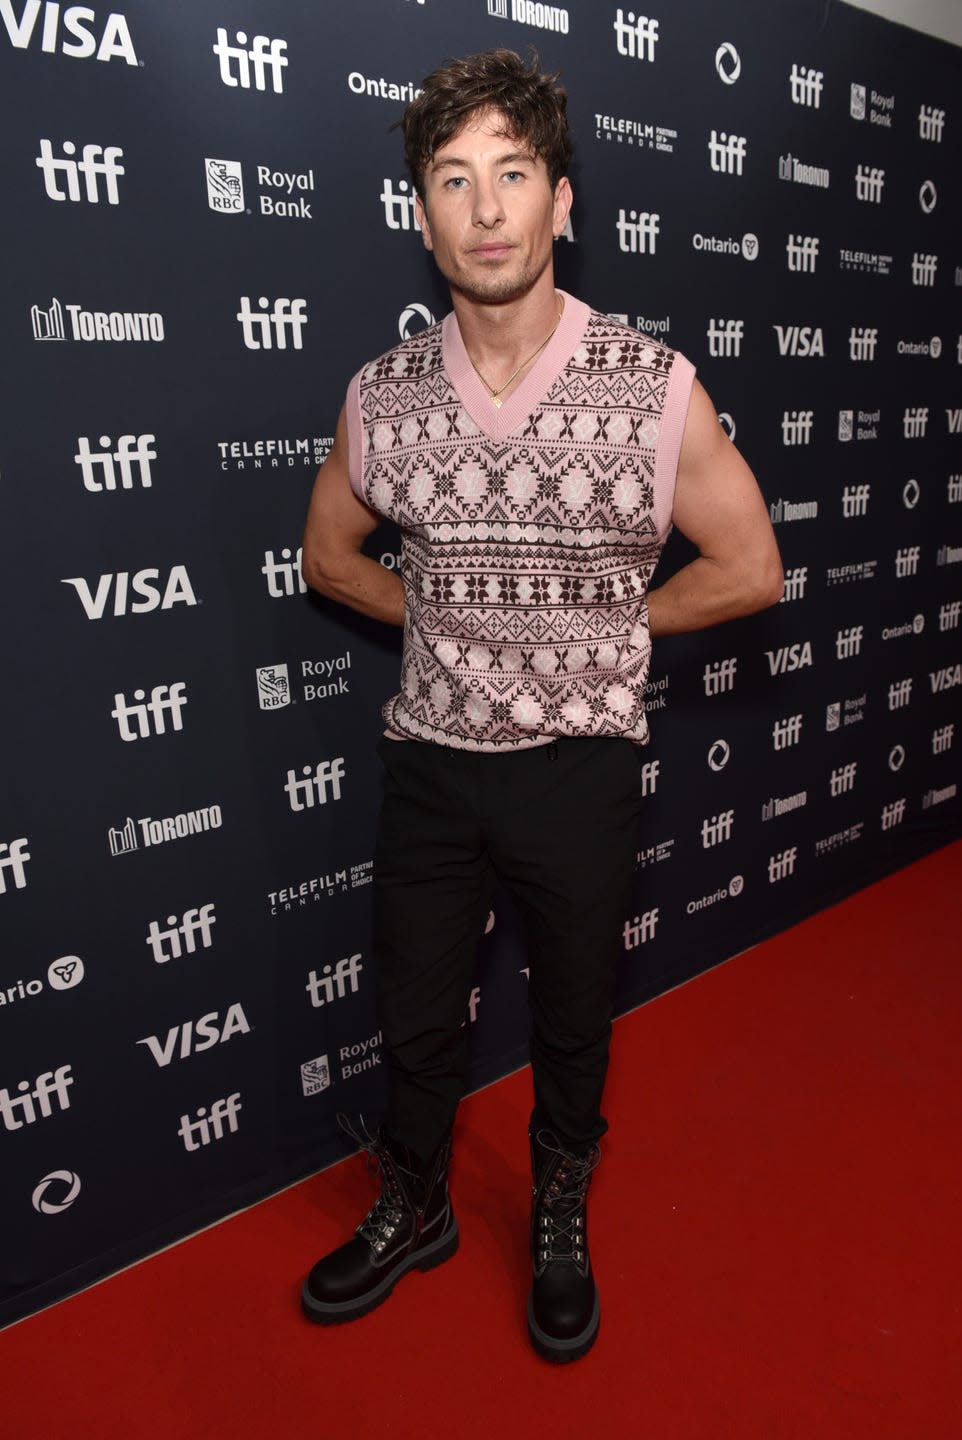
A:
x: 421, y: 215
x: 563, y: 199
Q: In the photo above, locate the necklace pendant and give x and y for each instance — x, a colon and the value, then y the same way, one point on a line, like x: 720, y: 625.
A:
x: 496, y: 402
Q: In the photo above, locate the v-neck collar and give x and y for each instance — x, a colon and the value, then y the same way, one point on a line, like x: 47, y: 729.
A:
x: 499, y: 424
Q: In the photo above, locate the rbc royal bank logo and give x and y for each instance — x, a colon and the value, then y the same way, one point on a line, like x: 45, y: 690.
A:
x: 273, y: 687
x: 225, y: 186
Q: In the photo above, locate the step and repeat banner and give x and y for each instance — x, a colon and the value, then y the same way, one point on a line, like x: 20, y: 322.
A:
x: 209, y: 230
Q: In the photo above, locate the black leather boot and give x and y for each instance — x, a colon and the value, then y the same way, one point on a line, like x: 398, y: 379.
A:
x: 563, y: 1309
x: 410, y: 1226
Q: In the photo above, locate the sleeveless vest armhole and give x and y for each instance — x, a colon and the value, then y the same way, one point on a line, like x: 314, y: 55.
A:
x: 355, y: 437
x: 673, y: 419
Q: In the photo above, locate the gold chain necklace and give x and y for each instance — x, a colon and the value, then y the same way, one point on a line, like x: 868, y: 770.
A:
x: 495, y: 394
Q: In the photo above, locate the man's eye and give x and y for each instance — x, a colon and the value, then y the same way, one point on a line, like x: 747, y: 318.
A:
x: 514, y: 175
x: 456, y: 182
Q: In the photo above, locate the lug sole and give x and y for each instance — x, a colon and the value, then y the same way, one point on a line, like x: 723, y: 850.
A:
x: 339, y: 1312
x: 562, y: 1351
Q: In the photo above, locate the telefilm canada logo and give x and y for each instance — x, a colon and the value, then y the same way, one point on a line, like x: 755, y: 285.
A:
x: 118, y: 326
x: 275, y: 453
x: 638, y: 134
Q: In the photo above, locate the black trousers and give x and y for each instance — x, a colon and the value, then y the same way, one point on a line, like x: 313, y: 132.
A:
x: 557, y: 826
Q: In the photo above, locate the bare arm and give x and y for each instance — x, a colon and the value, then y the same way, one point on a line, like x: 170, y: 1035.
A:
x: 720, y: 508
x: 338, y: 523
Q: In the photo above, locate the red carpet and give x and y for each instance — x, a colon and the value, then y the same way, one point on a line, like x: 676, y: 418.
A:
x: 775, y: 1227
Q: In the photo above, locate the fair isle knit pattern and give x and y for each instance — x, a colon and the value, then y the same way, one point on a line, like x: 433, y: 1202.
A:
x: 529, y: 534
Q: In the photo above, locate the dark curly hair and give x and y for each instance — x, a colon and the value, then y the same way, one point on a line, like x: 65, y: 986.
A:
x: 534, y: 107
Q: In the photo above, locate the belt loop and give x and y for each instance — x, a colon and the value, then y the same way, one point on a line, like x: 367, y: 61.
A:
x: 552, y: 751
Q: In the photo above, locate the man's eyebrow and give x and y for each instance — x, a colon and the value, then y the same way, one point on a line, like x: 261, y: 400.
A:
x: 512, y: 157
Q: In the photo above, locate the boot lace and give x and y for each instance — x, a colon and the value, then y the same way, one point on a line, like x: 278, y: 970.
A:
x: 381, y: 1222
x: 561, y: 1213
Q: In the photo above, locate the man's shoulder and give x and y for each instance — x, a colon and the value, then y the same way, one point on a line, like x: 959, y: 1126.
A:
x: 413, y: 357
x: 636, y: 347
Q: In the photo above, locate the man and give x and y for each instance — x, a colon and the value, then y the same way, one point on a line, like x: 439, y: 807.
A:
x: 534, y: 454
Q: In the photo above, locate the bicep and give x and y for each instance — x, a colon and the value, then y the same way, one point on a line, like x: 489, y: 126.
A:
x: 717, y: 503
x: 337, y: 520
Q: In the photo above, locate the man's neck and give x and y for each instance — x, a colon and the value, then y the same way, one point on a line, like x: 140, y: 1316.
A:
x: 498, y: 336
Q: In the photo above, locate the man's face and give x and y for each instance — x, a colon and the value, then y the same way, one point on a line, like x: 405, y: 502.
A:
x: 489, y: 214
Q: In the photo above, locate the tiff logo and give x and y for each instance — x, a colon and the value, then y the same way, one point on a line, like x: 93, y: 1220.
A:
x: 399, y: 213
x: 19, y: 1110
x: 797, y: 426
x: 843, y: 778
x: 942, y: 739
x: 641, y: 929
x: 900, y: 694
x: 893, y: 814
x: 268, y: 332
x: 725, y: 337
x: 848, y: 642
x: 649, y: 776
x: 206, y: 1128
x: 869, y: 181
x: 949, y: 615
x: 635, y: 38
x: 312, y: 790
x: 782, y: 865
x: 283, y: 576
x: 164, y: 699
x: 923, y: 268
x: 914, y: 422
x: 954, y: 489
x: 953, y: 419
x: 716, y: 829
x: 906, y: 561
x: 786, y: 732
x: 13, y: 857
x: 802, y: 252
x: 720, y: 676
x: 334, y: 985
x: 855, y: 500
x: 795, y: 582
x: 806, y: 86
x: 637, y: 232
x: 90, y: 167
x: 132, y: 450
x: 862, y: 341
x: 726, y: 152
x: 193, y: 924
x: 265, y: 54
x: 931, y: 122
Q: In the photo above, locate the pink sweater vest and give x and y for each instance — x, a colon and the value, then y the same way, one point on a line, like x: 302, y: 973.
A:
x: 530, y: 533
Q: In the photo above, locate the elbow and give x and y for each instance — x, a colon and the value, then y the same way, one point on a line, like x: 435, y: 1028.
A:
x: 315, y: 574
x: 772, y: 584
